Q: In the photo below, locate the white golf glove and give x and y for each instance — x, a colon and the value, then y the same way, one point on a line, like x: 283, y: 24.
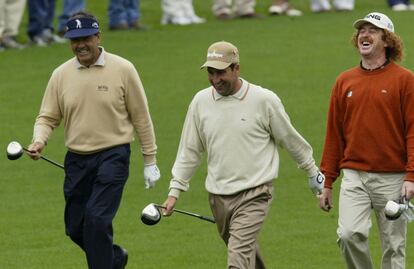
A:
x: 151, y: 175
x: 316, y: 183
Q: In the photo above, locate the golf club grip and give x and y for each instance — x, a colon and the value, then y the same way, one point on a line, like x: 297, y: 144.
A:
x: 206, y: 218
x: 210, y: 219
x: 48, y: 160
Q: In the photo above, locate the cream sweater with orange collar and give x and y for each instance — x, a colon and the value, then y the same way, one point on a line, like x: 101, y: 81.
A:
x: 240, y: 134
x: 101, y: 106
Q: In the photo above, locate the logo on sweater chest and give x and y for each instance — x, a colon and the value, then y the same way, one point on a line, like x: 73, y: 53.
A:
x: 382, y: 91
x: 102, y: 88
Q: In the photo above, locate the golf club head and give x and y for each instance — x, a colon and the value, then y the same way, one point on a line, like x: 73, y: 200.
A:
x: 393, y: 210
x: 151, y: 215
x: 14, y: 150
x: 402, y: 207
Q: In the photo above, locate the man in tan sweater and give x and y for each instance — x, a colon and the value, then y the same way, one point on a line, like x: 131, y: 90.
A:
x: 101, y: 101
x: 239, y: 125
x: 370, y: 137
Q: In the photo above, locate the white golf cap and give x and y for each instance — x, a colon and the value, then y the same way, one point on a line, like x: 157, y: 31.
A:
x: 378, y: 19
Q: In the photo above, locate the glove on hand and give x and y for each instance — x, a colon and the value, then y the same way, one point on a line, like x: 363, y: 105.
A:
x: 316, y: 183
x: 151, y: 175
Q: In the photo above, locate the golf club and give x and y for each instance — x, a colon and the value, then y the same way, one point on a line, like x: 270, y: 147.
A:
x: 403, y: 207
x: 151, y: 214
x: 15, y: 151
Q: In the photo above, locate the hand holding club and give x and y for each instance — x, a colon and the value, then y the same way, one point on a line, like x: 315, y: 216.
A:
x: 34, y: 150
x: 325, y: 200
x: 407, y: 189
x: 15, y: 151
x: 151, y: 214
x: 168, y: 206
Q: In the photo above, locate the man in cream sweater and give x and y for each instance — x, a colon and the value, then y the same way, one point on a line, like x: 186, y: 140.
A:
x: 101, y: 101
x: 239, y: 125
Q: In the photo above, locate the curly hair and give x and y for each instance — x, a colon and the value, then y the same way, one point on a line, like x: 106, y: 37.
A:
x: 395, y: 47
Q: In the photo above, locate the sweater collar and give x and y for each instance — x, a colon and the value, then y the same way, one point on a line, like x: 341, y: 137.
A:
x: 240, y: 94
x: 378, y: 68
x: 99, y: 62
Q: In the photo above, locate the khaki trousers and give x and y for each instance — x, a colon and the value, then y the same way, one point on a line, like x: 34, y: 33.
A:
x: 239, y: 219
x: 11, y: 12
x: 237, y: 7
x: 360, y: 193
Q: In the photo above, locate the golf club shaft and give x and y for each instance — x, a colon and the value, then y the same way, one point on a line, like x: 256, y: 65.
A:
x: 206, y: 218
x: 48, y: 160
x: 210, y: 219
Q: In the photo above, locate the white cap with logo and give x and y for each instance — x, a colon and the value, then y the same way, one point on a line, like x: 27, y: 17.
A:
x: 378, y: 19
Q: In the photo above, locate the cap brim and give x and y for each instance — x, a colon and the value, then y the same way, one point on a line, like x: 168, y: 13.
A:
x: 216, y: 65
x: 360, y: 22
x: 80, y: 33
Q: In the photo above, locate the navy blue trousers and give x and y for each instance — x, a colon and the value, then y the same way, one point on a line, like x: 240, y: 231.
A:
x: 395, y: 2
x: 123, y: 11
x: 41, y: 14
x: 93, y: 190
x: 69, y: 8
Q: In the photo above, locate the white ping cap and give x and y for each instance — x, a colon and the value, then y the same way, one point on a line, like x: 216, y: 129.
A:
x: 378, y: 19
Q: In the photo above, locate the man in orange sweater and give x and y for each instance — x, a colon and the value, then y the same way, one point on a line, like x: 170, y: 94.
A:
x: 370, y: 137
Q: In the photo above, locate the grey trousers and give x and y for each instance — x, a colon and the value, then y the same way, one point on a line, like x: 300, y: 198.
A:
x: 239, y: 219
x: 362, y: 192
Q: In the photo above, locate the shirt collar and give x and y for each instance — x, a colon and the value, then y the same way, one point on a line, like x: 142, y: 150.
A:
x: 240, y: 94
x: 99, y: 62
x: 380, y: 67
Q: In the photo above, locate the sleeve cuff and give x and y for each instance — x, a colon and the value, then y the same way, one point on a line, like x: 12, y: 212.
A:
x: 328, y: 182
x: 409, y: 176
x: 38, y: 140
x: 312, y: 171
x: 150, y: 159
x: 174, y: 192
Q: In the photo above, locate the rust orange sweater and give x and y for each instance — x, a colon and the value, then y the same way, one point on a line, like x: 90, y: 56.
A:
x: 371, y: 123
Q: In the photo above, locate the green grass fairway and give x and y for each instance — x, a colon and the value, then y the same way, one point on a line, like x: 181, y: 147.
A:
x: 298, y: 58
